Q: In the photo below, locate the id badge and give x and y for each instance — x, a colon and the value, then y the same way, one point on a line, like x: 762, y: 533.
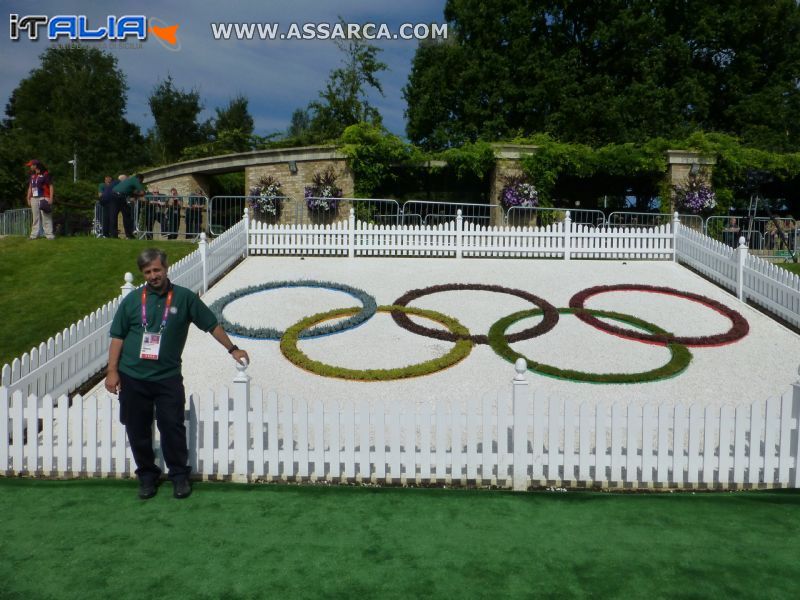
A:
x: 151, y: 344
x: 35, y: 192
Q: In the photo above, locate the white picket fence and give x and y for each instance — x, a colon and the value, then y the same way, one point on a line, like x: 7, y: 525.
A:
x: 463, y: 238
x: 517, y: 440
x: 71, y: 357
x: 750, y: 277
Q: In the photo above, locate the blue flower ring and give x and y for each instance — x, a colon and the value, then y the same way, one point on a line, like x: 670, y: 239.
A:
x: 357, y: 315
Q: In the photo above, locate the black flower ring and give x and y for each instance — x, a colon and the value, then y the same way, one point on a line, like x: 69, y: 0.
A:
x: 739, y: 325
x: 367, y: 310
x: 549, y: 312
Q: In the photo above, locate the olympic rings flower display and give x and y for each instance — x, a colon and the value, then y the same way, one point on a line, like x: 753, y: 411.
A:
x: 680, y: 357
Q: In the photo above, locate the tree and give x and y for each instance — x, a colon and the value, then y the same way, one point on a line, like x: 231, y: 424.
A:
x: 74, y: 102
x: 175, y: 112
x: 344, y: 100
x: 609, y: 72
x: 235, y: 116
x: 299, y: 126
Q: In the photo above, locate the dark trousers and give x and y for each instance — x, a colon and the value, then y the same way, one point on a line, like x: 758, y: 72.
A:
x: 110, y: 214
x: 137, y: 399
x: 194, y: 218
x: 127, y: 218
x: 104, y: 215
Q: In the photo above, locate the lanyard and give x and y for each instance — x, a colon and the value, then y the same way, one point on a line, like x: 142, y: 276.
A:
x: 166, y: 310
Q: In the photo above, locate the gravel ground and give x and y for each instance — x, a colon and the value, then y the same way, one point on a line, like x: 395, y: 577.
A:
x: 761, y: 365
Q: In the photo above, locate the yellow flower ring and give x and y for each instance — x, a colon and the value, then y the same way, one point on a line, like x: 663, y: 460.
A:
x: 293, y: 354
x: 546, y: 324
x: 679, y: 359
x: 739, y: 325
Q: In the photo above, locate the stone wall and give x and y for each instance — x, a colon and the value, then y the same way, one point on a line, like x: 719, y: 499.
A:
x: 185, y: 184
x: 293, y: 184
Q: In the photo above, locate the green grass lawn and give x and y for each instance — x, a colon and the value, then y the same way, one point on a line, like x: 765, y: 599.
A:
x: 95, y: 539
x: 793, y: 267
x: 46, y: 285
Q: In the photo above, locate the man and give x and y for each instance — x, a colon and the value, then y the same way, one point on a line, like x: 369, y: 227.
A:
x: 127, y: 187
x: 151, y: 209
x: 172, y: 215
x: 108, y: 208
x: 194, y: 214
x: 40, y: 199
x: 148, y: 334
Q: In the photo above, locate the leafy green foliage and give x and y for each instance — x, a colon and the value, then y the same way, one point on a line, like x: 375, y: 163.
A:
x: 609, y: 72
x: 175, y: 112
x: 74, y: 102
x: 371, y: 152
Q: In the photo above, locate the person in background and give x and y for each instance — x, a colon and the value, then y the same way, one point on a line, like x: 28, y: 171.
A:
x: 153, y: 206
x: 108, y: 207
x: 40, y: 199
x: 126, y: 190
x: 148, y: 334
x: 126, y: 205
x: 172, y: 214
x: 194, y: 214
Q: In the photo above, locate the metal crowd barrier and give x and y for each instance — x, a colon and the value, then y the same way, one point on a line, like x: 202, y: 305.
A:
x: 525, y: 216
x: 425, y: 212
x: 168, y: 217
x: 16, y: 221
x: 761, y: 234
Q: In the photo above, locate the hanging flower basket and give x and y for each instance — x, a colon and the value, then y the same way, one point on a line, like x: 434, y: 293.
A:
x: 695, y: 196
x: 323, y: 195
x: 266, y: 198
x: 518, y: 192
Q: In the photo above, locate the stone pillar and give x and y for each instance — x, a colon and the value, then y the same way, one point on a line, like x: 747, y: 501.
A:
x: 506, y: 165
x: 680, y: 163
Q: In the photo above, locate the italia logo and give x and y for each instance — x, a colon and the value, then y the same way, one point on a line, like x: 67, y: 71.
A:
x: 78, y: 27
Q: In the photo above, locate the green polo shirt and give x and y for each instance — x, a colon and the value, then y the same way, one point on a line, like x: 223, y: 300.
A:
x: 128, y: 186
x: 186, y: 308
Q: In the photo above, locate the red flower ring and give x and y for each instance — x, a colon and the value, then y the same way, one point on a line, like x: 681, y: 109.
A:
x: 739, y: 325
x: 549, y: 312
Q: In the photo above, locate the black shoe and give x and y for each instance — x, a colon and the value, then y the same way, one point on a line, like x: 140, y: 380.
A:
x: 182, y: 488
x: 147, y: 489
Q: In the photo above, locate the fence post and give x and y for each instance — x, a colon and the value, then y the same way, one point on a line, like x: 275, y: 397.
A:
x: 246, y: 218
x: 127, y: 287
x: 459, y: 234
x: 795, y: 415
x: 241, y: 410
x: 351, y: 233
x: 741, y: 256
x: 567, y: 236
x: 519, y: 420
x: 676, y: 221
x: 203, y: 250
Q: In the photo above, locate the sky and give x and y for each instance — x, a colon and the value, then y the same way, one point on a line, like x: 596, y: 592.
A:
x: 277, y: 76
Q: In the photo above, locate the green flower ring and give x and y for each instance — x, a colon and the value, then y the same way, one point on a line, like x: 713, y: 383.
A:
x: 679, y: 359
x: 358, y: 315
x: 293, y: 354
